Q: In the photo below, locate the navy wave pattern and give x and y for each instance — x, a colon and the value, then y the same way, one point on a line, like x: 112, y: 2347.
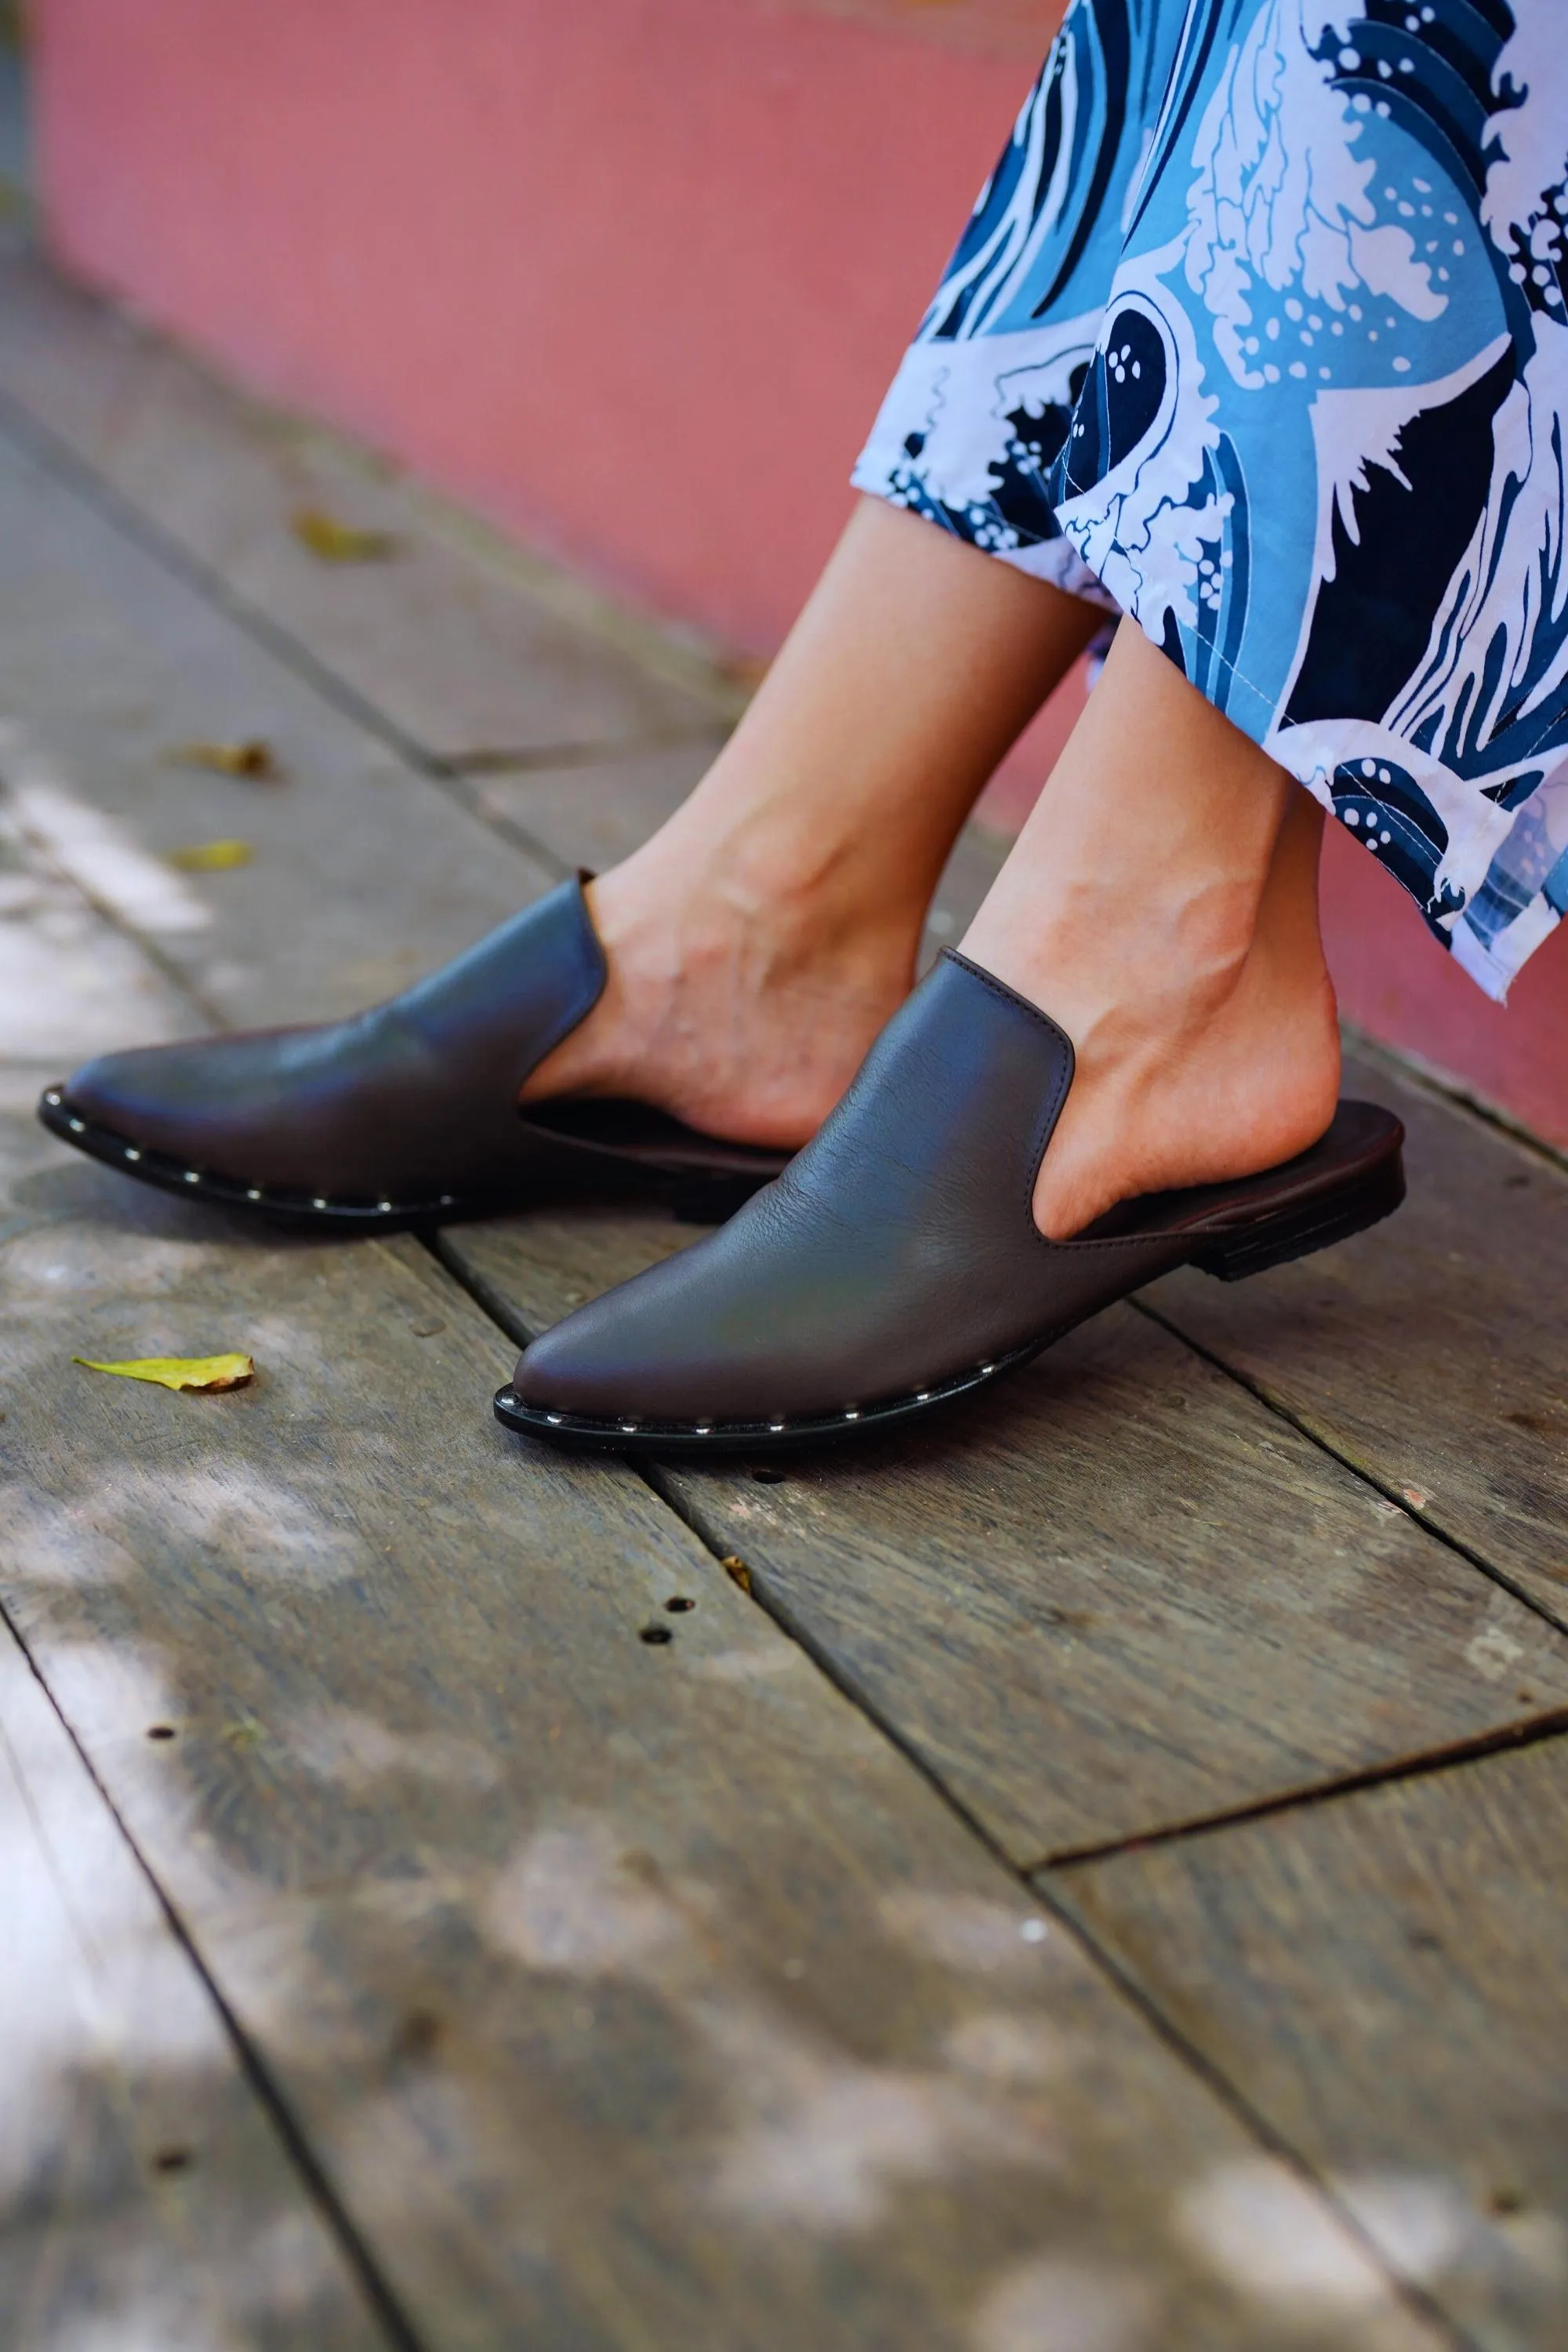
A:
x: 1265, y: 311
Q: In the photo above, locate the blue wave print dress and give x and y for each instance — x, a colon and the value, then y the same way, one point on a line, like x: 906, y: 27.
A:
x: 1257, y: 333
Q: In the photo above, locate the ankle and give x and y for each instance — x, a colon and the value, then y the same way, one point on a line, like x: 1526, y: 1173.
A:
x: 762, y: 925
x: 742, y: 1013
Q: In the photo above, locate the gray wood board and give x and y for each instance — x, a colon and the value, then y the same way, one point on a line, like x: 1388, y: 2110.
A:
x: 628, y: 1993
x: 70, y: 982
x: 1381, y: 1976
x: 364, y: 873
x: 1430, y: 1351
x: 145, y: 2197
x: 448, y: 646
x: 1116, y: 1594
x: 67, y: 977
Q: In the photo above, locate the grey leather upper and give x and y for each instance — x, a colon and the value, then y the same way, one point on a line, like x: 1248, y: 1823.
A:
x: 899, y: 1250
x: 416, y: 1099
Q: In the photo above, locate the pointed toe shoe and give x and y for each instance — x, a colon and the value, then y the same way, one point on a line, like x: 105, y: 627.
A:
x: 895, y: 1265
x: 407, y: 1114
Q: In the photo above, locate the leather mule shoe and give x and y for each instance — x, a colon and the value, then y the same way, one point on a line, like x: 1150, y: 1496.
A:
x: 896, y: 1264
x: 407, y: 1114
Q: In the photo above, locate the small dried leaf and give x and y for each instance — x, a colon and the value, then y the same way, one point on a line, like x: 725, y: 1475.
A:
x: 735, y: 1569
x: 339, y: 542
x: 180, y: 1372
x: 251, y: 758
x: 211, y: 857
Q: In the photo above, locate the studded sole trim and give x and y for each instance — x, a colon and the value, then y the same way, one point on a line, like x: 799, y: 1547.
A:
x: 665, y: 1440
x: 1231, y: 1255
x: 696, y: 1195
x: 299, y: 1209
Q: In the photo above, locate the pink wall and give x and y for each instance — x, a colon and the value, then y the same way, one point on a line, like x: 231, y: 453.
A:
x: 630, y: 275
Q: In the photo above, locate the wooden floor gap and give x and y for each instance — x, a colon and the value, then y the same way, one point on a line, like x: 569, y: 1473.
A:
x: 401, y: 2335
x: 483, y: 1293
x: 1389, y: 1492
x: 1425, y: 1766
x: 501, y: 760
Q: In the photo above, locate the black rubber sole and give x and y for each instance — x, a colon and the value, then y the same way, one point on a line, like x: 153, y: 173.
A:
x: 1280, y: 1240
x: 692, y: 1196
x: 1268, y: 1241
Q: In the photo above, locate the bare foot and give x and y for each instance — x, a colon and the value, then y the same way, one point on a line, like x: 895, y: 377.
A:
x: 1161, y: 905
x: 744, y: 1015
x: 1224, y: 1075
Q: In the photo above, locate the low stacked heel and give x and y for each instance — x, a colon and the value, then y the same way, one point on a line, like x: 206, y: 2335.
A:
x: 1297, y: 1232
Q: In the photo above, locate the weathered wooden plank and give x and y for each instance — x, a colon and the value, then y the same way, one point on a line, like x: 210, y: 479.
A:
x: 628, y: 1992
x: 364, y: 873
x: 145, y: 2197
x: 1381, y: 1976
x: 1117, y: 1595
x: 67, y: 976
x: 1430, y: 1351
x: 68, y: 981
x: 460, y: 643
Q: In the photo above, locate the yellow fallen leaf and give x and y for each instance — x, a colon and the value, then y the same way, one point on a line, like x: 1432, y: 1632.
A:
x: 339, y: 542
x: 250, y: 758
x: 180, y: 1372
x: 211, y: 857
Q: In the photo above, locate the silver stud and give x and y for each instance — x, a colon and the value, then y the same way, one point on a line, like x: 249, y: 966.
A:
x: 318, y: 1205
x: 449, y: 1201
x: 131, y: 1153
x: 922, y: 1396
x: 385, y: 1208
x: 630, y: 1427
x: 703, y: 1428
x: 555, y: 1419
x: 53, y: 1095
x: 76, y: 1125
x: 851, y: 1412
x: 775, y: 1426
x: 988, y: 1367
x: 253, y: 1193
x: 192, y: 1176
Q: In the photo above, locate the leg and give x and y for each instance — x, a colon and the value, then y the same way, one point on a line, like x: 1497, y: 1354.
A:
x: 1160, y: 904
x: 758, y: 942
